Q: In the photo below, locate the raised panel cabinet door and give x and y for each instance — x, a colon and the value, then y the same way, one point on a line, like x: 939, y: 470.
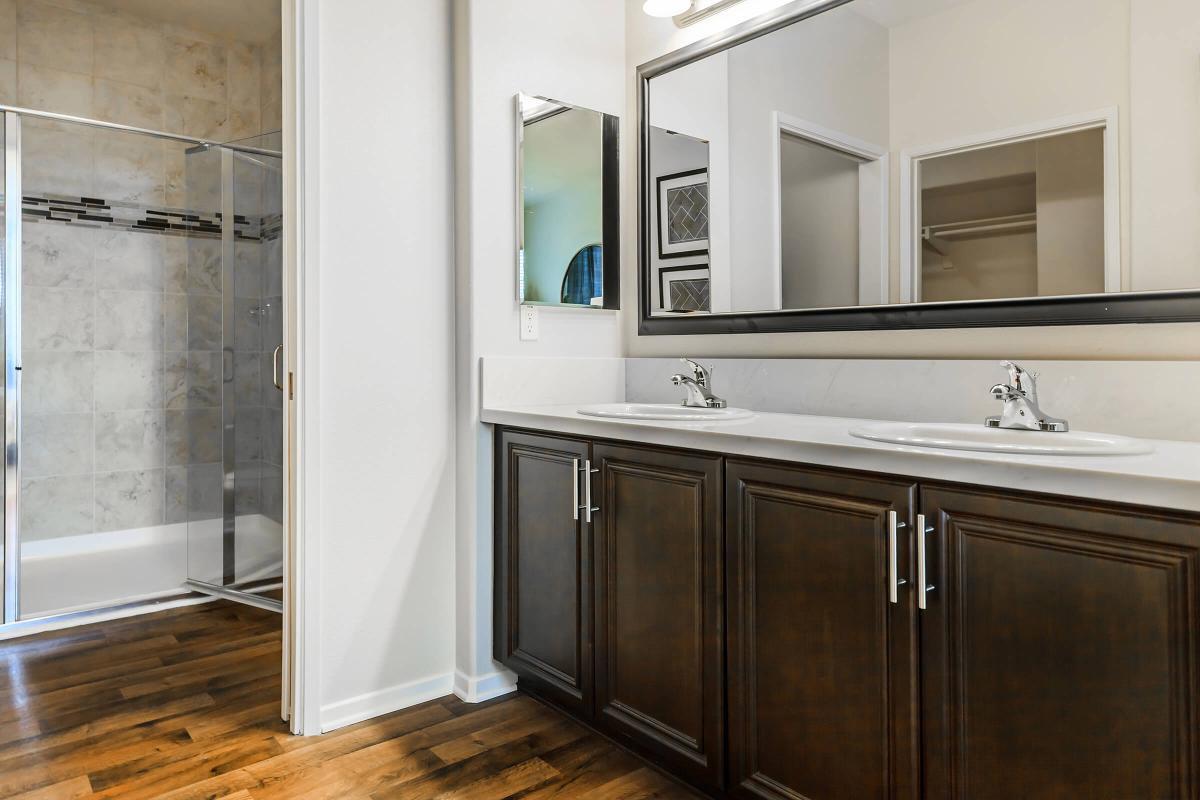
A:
x: 822, y: 672
x: 658, y: 606
x: 1059, y: 649
x: 543, y: 567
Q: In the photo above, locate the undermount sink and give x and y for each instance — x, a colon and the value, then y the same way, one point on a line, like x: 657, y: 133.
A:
x: 663, y: 411
x: 955, y: 436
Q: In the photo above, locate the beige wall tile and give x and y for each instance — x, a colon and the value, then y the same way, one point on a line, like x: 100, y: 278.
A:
x: 195, y: 116
x: 57, y: 319
x: 56, y: 506
x: 128, y: 104
x: 244, y: 76
x: 244, y: 123
x: 132, y: 499
x: 48, y: 89
x: 8, y: 30
x: 58, y: 256
x: 52, y: 36
x: 129, y: 167
x: 56, y: 383
x: 56, y: 444
x: 195, y: 69
x: 8, y: 82
x: 129, y: 440
x: 58, y: 162
x: 272, y: 117
x: 129, y: 52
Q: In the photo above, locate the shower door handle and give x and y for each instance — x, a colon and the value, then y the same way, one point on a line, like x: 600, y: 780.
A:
x: 275, y: 379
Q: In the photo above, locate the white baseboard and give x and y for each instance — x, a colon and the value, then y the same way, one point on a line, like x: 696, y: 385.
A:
x: 385, y: 701
x: 484, y: 687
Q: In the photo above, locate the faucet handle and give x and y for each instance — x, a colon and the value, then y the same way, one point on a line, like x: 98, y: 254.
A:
x: 699, y: 371
x: 1021, y: 379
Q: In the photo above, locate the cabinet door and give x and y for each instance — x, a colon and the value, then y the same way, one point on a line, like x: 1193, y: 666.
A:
x: 658, y: 606
x: 543, y: 568
x: 1058, y: 649
x: 822, y: 676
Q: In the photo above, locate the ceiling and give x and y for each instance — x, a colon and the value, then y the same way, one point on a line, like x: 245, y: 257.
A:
x: 891, y: 13
x: 244, y: 20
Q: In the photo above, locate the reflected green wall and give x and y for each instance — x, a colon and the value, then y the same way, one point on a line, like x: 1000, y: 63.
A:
x: 563, y: 172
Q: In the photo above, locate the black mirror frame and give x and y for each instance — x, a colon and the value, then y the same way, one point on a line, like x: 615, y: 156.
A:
x: 1102, y: 309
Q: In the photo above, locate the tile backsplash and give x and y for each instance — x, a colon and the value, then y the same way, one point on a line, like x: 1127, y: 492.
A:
x: 1151, y: 399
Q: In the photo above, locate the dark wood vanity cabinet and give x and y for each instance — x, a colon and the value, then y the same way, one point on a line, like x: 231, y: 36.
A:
x: 732, y: 620
x: 822, y: 672
x: 543, y: 601
x: 659, y: 644
x: 1058, y: 649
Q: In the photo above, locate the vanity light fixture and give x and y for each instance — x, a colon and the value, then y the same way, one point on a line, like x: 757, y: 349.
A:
x: 686, y: 12
x: 667, y: 8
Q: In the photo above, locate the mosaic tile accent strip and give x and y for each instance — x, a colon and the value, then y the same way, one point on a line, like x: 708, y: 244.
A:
x: 99, y: 213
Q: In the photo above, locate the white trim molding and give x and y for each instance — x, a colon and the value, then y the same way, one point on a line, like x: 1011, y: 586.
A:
x: 874, y: 269
x: 1105, y: 119
x: 385, y: 701
x: 301, y: 190
x: 478, y: 688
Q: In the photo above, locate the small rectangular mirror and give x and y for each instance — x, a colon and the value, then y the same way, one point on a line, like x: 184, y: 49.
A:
x: 568, y: 205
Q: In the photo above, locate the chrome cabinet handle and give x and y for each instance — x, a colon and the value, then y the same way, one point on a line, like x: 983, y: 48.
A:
x: 575, y: 489
x: 923, y: 585
x: 894, y: 579
x: 588, y: 508
x: 275, y: 379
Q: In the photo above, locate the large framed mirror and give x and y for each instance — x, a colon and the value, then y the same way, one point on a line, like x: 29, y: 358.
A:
x: 884, y: 164
x: 568, y: 205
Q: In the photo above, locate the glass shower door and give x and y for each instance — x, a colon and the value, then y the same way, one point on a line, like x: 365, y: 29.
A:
x: 9, y: 241
x: 235, y: 534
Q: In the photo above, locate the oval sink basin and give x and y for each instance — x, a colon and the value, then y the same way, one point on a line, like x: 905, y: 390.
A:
x: 665, y: 412
x: 953, y: 436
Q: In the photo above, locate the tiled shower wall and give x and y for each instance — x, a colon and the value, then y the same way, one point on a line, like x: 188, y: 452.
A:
x: 122, y: 355
x: 77, y: 58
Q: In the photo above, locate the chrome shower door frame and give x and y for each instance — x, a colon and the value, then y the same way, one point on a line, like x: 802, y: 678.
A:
x: 12, y: 363
x: 10, y: 306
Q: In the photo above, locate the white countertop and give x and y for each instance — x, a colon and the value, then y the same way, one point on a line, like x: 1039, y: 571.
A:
x: 1167, y: 478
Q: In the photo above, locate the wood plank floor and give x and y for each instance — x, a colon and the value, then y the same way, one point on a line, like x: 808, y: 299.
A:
x: 185, y: 704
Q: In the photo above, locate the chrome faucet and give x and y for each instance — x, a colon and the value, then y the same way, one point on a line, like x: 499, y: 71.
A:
x: 1021, y: 411
x: 699, y: 394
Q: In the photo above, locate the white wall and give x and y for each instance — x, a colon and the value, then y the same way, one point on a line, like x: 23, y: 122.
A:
x: 807, y: 72
x: 819, y: 198
x: 1165, y: 85
x: 649, y: 38
x: 695, y: 102
x: 573, y: 51
x: 385, y: 345
x: 956, y: 74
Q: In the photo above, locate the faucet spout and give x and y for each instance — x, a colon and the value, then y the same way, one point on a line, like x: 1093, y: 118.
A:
x: 1021, y: 411
x: 699, y: 395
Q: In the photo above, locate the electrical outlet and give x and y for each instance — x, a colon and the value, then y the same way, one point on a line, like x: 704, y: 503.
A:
x: 529, y: 323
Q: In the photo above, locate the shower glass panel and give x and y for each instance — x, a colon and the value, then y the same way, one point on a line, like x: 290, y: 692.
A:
x: 6, y: 586
x: 234, y: 502
x: 106, y: 238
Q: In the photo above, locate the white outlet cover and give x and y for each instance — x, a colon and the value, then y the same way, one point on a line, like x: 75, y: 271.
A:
x: 529, y: 323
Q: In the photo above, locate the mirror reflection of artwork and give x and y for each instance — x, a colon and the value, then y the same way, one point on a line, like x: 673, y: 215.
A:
x: 927, y: 151
x: 684, y: 289
x: 568, y: 203
x: 683, y: 214
x: 680, y: 223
